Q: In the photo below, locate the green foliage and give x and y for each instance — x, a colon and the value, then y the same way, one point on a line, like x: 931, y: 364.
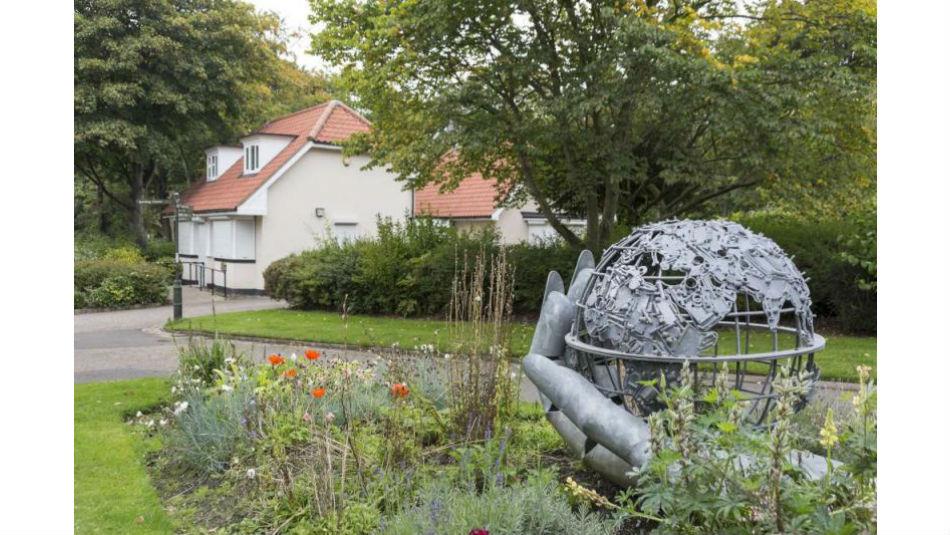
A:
x: 712, y: 472
x: 532, y: 507
x: 158, y: 81
x: 198, y: 360
x: 639, y: 110
x: 210, y: 429
x: 118, y: 283
x: 156, y: 250
x: 408, y: 270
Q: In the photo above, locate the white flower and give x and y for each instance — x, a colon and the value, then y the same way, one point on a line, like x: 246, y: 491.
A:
x: 138, y: 414
x: 251, y: 473
x: 150, y: 423
x: 293, y: 356
x: 180, y: 407
x: 447, y: 356
x: 174, y: 389
x: 226, y: 388
x: 163, y: 422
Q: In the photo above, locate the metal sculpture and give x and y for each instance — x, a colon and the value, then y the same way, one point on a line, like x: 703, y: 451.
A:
x: 665, y: 295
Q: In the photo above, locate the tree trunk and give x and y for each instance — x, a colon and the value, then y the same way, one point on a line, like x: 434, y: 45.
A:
x: 593, y: 224
x: 137, y: 215
x: 103, y: 213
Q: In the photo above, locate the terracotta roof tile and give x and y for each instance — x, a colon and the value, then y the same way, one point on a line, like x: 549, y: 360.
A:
x: 330, y: 122
x: 475, y: 196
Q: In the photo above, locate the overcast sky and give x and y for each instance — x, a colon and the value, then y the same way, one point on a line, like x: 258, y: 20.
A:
x: 294, y: 14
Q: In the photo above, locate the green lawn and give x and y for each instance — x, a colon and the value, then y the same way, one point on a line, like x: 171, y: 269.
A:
x: 837, y: 361
x: 112, y: 489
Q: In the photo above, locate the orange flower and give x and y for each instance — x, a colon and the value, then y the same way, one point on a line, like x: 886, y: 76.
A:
x: 275, y: 360
x: 312, y: 354
x: 318, y: 392
x: 291, y: 373
x: 399, y: 390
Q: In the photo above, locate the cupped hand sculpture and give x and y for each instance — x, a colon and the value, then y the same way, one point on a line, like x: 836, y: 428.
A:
x: 670, y: 293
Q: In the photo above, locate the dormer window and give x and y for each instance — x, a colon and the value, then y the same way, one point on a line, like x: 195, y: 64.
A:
x: 212, y: 166
x: 251, y: 158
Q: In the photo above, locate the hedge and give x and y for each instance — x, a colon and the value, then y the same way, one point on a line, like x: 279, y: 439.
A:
x: 408, y: 270
x: 113, y: 283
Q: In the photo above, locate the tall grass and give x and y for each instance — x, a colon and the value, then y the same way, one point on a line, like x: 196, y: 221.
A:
x: 480, y: 322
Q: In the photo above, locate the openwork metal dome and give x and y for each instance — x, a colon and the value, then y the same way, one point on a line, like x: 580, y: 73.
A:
x: 706, y: 292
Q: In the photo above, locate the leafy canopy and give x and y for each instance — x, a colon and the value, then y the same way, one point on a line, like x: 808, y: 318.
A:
x: 157, y: 81
x: 609, y: 110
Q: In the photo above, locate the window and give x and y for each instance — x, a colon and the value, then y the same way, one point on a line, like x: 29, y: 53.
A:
x: 222, y: 239
x: 185, y: 238
x: 345, y: 232
x: 251, y: 158
x: 232, y: 239
x: 212, y: 166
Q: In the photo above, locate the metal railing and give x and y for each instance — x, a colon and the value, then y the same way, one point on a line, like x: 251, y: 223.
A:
x: 193, y: 272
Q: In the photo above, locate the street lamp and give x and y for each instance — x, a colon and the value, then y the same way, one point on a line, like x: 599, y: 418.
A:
x: 180, y: 210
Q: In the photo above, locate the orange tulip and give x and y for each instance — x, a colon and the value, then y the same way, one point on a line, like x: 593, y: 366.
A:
x: 275, y: 360
x: 291, y: 373
x: 318, y: 392
x: 399, y: 390
x: 312, y: 354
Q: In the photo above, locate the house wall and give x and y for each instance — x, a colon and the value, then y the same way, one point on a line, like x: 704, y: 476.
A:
x: 347, y: 194
x: 470, y: 225
x: 511, y: 226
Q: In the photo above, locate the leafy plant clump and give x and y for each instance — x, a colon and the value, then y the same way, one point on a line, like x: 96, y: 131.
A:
x: 714, y: 473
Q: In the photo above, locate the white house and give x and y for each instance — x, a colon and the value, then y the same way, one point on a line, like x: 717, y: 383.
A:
x: 476, y: 204
x: 287, y: 186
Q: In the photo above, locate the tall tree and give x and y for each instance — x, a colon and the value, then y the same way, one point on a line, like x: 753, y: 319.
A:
x: 606, y: 109
x: 157, y: 81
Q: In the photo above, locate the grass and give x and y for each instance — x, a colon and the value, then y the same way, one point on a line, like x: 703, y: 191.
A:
x: 113, y: 493
x: 841, y: 355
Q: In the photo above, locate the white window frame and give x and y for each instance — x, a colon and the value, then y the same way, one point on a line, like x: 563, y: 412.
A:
x: 345, y: 231
x: 212, y: 166
x: 252, y: 154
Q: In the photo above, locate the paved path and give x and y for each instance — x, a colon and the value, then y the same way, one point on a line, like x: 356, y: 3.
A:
x: 130, y: 343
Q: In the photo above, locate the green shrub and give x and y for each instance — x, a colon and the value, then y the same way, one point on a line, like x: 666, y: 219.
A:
x: 116, y: 283
x: 713, y: 472
x: 159, y: 249
x: 407, y: 270
x: 126, y: 254
x: 533, y: 507
x: 210, y: 428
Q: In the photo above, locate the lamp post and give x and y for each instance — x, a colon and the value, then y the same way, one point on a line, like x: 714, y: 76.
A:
x: 175, y: 200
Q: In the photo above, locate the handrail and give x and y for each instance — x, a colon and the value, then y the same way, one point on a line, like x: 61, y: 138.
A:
x: 198, y: 270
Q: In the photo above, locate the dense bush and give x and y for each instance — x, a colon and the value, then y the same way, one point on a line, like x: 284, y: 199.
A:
x: 113, y: 273
x: 118, y: 283
x: 409, y: 269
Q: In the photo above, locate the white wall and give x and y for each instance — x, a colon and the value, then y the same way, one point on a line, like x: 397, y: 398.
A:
x: 319, y: 179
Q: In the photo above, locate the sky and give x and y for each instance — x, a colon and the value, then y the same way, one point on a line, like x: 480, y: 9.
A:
x: 294, y: 13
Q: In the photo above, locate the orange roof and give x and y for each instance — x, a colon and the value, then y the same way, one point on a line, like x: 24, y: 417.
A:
x: 475, y: 196
x: 331, y: 122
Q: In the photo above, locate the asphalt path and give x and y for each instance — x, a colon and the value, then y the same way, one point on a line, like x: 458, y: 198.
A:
x: 128, y: 344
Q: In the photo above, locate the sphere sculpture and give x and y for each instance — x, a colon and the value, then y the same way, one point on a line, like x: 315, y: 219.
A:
x: 702, y: 297
x: 670, y: 292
